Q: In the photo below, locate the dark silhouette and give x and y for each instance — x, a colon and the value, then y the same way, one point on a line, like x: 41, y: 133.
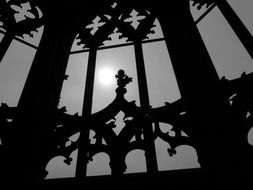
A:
x: 215, y: 114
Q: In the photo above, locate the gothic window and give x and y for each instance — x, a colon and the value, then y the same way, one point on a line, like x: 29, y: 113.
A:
x: 127, y: 40
x: 120, y: 110
x: 117, y: 51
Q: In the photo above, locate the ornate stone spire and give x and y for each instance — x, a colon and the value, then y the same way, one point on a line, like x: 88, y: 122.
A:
x: 122, y: 80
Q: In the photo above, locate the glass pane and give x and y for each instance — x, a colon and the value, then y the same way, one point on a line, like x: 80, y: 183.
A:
x: 110, y: 61
x: 228, y: 54
x: 244, y: 10
x: 57, y: 168
x: 13, y: 72
x: 99, y: 165
x: 73, y: 88
x: 162, y: 84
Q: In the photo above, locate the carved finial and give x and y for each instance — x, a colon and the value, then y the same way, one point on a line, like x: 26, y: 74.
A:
x: 122, y: 78
x: 122, y: 81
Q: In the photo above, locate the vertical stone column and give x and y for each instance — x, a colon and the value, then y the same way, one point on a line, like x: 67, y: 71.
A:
x: 150, y: 152
x: 40, y: 96
x: 81, y: 166
x: 200, y: 89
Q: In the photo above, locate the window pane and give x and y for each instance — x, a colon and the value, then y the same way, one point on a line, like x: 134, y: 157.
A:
x: 73, y: 88
x: 162, y: 84
x: 13, y: 72
x: 227, y: 52
x: 114, y: 59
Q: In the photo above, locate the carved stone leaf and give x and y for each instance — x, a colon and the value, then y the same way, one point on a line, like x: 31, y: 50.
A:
x: 146, y: 26
x: 116, y: 36
x: 134, y: 19
x: 201, y: 3
x: 20, y: 17
x: 95, y: 25
x: 83, y: 36
x: 22, y: 12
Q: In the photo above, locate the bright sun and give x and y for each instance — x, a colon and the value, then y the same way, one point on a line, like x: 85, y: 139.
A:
x: 106, y: 76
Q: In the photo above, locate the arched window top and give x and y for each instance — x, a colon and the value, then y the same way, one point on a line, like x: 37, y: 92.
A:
x: 119, y: 26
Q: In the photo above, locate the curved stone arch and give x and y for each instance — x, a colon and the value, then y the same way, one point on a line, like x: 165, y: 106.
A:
x: 135, y: 161
x: 185, y: 157
x: 250, y: 136
x: 57, y: 167
x: 100, y: 165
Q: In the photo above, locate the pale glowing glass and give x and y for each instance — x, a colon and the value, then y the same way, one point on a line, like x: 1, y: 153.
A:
x: 106, y: 76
